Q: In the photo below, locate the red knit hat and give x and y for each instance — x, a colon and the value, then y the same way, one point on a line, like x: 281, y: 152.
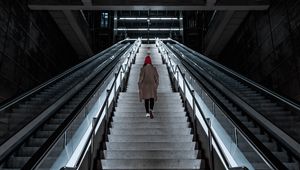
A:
x: 148, y: 60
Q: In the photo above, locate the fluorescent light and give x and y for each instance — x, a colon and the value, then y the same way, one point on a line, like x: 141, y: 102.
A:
x: 163, y: 18
x: 164, y: 29
x: 143, y: 18
x: 150, y: 39
x: 133, y: 18
x: 146, y: 29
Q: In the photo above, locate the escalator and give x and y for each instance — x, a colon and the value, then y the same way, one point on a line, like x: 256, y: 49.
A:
x: 280, y: 113
x: 34, y: 118
x: 272, y: 122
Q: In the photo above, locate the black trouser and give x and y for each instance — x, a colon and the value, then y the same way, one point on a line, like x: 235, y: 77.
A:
x: 147, y: 101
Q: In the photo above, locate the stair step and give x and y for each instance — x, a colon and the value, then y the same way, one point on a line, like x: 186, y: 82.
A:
x: 159, y: 101
x: 146, y: 119
x: 155, y: 109
x: 151, y: 164
x: 146, y: 154
x: 150, y: 125
x: 150, y: 145
x: 150, y: 138
x: 156, y: 105
x: 157, y: 115
x: 150, y: 131
x: 158, y: 94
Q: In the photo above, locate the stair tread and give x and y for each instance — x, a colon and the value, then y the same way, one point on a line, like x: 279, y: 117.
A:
x: 151, y: 164
x: 146, y: 154
x: 150, y: 145
x: 145, y: 119
x: 153, y: 131
x: 150, y: 138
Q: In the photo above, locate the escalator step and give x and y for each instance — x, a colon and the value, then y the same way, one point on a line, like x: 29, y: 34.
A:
x: 17, y: 162
x: 26, y: 151
x: 50, y: 127
x: 33, y: 142
x: 43, y: 134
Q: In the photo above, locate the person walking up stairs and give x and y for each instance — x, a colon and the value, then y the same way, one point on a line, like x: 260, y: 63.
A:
x: 137, y: 142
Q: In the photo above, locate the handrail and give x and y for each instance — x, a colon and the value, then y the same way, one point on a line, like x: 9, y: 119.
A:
x: 263, y: 152
x: 292, y: 149
x: 72, y: 69
x: 46, y: 147
x: 202, y: 115
x: 109, y: 91
x: 244, y: 79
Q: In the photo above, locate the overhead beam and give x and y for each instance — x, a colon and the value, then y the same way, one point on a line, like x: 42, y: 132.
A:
x: 221, y: 30
x: 211, y: 3
x: 69, y: 26
x: 142, y: 7
x: 87, y: 2
x: 215, y: 34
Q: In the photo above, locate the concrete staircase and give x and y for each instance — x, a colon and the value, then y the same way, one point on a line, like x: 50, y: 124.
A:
x: 137, y: 142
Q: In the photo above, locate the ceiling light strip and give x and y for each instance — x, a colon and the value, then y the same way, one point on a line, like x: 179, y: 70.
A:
x: 146, y: 29
x: 154, y: 18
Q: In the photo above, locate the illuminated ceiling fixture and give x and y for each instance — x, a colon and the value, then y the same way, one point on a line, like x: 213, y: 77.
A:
x: 163, y: 18
x: 146, y: 29
x: 156, y: 18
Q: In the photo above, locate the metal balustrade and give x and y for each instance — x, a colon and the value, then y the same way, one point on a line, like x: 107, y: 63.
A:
x: 203, y: 101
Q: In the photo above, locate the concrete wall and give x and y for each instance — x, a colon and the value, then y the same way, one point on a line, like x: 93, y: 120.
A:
x: 266, y: 48
x: 32, y: 48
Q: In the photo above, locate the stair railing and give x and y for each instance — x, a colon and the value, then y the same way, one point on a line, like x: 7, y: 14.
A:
x: 214, y: 139
x: 83, y: 157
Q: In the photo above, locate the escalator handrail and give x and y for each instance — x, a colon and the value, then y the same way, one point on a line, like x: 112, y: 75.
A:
x: 58, y: 77
x: 289, y: 144
x: 12, y: 142
x: 262, y: 150
x: 53, y: 139
x: 292, y: 148
x: 244, y: 79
